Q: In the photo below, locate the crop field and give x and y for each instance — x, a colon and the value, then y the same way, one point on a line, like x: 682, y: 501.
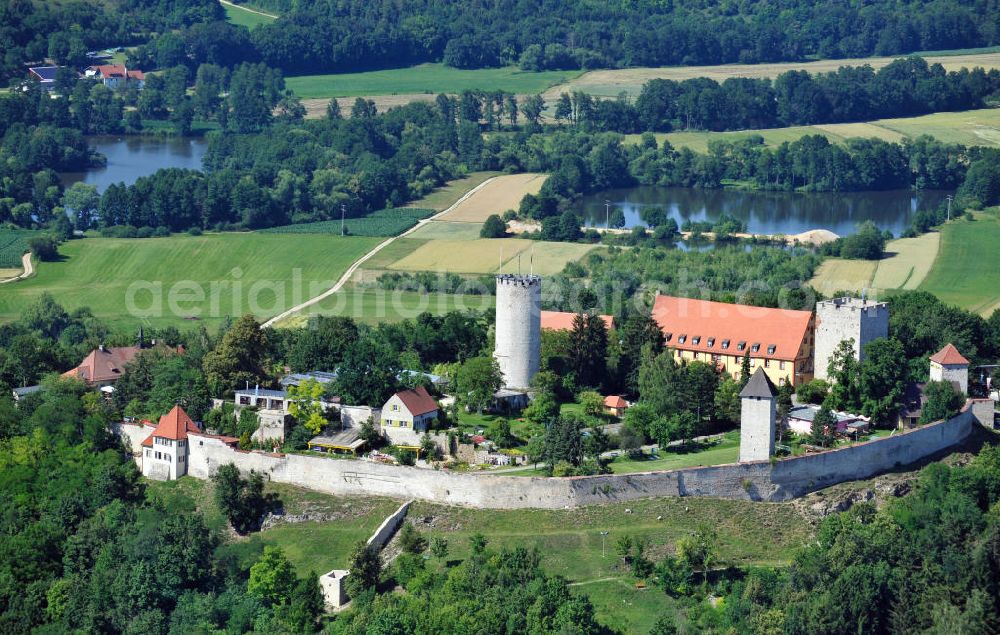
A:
x: 609, y: 83
x: 496, y: 197
x: 835, y: 274
x: 485, y: 255
x: 187, y: 280
x: 13, y: 244
x: 438, y: 230
x: 386, y: 222
x: 967, y: 270
x: 971, y: 127
x: 447, y: 195
x: 424, y: 78
x: 570, y: 542
x: 908, y: 262
x: 241, y: 16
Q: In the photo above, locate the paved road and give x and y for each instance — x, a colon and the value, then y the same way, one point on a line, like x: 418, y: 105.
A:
x: 26, y: 265
x: 247, y: 9
x: 360, y: 261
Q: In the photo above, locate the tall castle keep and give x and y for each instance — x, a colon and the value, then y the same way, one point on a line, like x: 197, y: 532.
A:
x: 518, y: 328
x: 844, y: 319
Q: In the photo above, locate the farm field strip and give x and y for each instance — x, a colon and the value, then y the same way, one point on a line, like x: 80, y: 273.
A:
x: 967, y: 270
x: 610, y: 83
x: 245, y: 16
x: 910, y: 261
x: 502, y: 193
x: 835, y: 274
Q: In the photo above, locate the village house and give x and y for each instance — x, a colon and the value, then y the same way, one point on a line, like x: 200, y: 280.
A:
x: 44, y: 75
x: 563, y: 320
x: 273, y: 410
x: 116, y: 75
x: 615, y: 405
x: 410, y: 409
x: 104, y: 365
x: 780, y: 341
x: 800, y: 420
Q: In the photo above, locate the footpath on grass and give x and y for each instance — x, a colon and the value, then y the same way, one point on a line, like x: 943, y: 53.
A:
x: 26, y: 265
x: 247, y: 9
x: 344, y: 279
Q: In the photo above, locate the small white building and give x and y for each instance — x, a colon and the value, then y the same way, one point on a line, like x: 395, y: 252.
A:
x: 332, y: 583
x: 165, y: 450
x: 949, y: 365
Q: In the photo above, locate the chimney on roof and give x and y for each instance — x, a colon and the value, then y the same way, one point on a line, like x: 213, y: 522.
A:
x: 100, y: 347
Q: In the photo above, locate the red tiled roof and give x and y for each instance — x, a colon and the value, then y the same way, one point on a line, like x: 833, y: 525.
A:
x: 136, y: 75
x: 110, y: 70
x: 949, y: 356
x: 708, y: 326
x: 615, y: 401
x: 174, y: 425
x: 418, y: 401
x: 103, y: 365
x: 563, y: 320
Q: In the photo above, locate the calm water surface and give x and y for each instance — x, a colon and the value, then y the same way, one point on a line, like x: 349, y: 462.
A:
x: 130, y: 157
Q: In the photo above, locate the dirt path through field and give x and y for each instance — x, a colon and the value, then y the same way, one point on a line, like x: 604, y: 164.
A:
x: 247, y: 9
x: 26, y: 265
x: 360, y: 261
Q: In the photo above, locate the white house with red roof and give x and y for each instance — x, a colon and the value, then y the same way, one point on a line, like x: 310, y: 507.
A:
x: 165, y: 450
x: 116, y: 75
x: 410, y: 409
x: 949, y: 365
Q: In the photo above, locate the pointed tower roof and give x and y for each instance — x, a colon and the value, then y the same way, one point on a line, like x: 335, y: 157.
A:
x: 760, y: 385
x: 174, y: 425
x: 949, y: 356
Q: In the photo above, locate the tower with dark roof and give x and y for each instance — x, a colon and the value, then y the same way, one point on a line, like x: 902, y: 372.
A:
x: 758, y: 417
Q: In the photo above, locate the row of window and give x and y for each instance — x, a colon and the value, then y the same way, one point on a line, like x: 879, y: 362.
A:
x: 163, y: 456
x: 715, y: 358
x: 710, y: 342
x: 399, y: 424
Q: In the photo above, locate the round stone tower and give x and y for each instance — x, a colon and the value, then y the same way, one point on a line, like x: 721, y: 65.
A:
x: 518, y: 328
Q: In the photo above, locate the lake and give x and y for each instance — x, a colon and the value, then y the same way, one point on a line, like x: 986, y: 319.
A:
x: 130, y: 157
x: 766, y: 212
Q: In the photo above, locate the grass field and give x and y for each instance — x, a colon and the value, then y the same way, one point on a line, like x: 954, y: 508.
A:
x: 229, y: 271
x: 610, y: 83
x: 481, y: 256
x: 374, y: 305
x: 424, y: 78
x: 570, y: 542
x: 967, y: 270
x: 496, y: 197
x: 971, y: 127
x: 383, y: 223
x: 241, y: 16
x: 445, y: 196
x: 835, y: 274
x: 445, y: 230
x: 908, y: 262
x: 311, y: 546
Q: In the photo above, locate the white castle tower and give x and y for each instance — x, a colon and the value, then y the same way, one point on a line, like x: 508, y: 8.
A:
x: 758, y: 417
x: 842, y: 319
x: 518, y: 328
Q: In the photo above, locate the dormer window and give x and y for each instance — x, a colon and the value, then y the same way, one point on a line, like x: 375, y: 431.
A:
x: 696, y: 340
x: 681, y: 339
x: 741, y: 345
x: 725, y: 344
x: 771, y: 349
x: 755, y: 347
x: 667, y: 337
x: 711, y: 342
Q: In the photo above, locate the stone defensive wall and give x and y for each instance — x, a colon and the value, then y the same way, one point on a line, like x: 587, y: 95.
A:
x: 775, y: 480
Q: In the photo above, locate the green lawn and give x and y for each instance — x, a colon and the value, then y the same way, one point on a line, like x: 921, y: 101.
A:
x: 374, y: 305
x: 424, y: 78
x: 967, y: 269
x: 242, y: 17
x: 231, y: 273
x: 311, y: 546
x: 447, y: 195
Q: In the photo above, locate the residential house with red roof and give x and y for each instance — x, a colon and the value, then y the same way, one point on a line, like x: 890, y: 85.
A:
x: 615, y: 405
x: 410, y: 409
x: 778, y: 340
x: 165, y: 450
x: 563, y: 320
x: 104, y: 365
x: 116, y: 75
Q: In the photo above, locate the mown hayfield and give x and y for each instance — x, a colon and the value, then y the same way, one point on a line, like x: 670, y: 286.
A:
x: 907, y: 262
x: 424, y: 78
x: 211, y: 276
x: 967, y: 270
x: 242, y: 16
x: 971, y: 127
x: 610, y: 83
x: 496, y: 197
x: 835, y: 275
x: 464, y: 256
x: 447, y: 195
x: 447, y: 230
